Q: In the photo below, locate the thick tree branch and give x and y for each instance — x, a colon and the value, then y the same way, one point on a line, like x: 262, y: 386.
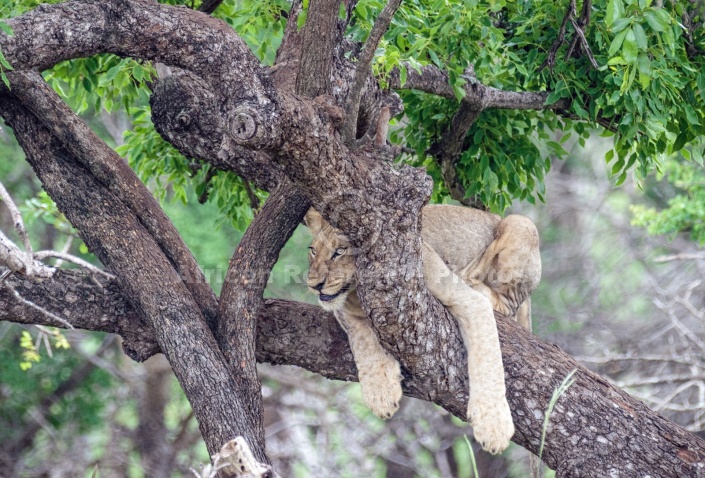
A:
x: 114, y: 173
x: 286, y: 64
x: 245, y: 281
x: 319, y: 41
x: 363, y: 69
x: 185, y: 113
x: 145, y: 275
x: 592, y: 421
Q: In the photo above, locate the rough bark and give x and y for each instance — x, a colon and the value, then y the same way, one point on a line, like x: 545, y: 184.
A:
x: 376, y: 205
x: 594, y: 430
x: 245, y: 281
x: 144, y: 274
x: 114, y: 173
x: 319, y: 41
x: 363, y: 70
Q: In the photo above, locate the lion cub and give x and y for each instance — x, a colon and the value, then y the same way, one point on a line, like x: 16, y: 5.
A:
x: 474, y: 262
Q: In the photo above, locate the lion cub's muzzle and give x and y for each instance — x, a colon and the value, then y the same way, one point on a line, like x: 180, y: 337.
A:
x: 318, y: 290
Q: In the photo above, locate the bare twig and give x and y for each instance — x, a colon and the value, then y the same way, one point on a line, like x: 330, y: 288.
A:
x: 65, y: 249
x: 16, y: 218
x: 579, y: 26
x: 691, y: 46
x: 20, y: 261
x: 431, y: 79
x: 41, y: 255
x: 551, y: 58
x: 362, y: 70
x: 686, y: 256
x: 583, y: 42
x: 254, y: 200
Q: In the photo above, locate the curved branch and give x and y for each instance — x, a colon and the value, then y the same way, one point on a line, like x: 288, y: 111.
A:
x: 594, y: 425
x: 241, y: 297
x: 114, y: 173
x: 174, y: 36
x: 144, y: 274
x: 362, y: 71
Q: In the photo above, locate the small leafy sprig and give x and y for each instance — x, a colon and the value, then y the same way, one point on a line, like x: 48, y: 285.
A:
x: 4, y: 64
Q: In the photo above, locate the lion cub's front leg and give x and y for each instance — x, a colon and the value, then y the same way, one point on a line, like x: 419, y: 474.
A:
x: 378, y: 372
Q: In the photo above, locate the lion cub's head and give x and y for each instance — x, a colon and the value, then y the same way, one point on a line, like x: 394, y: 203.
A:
x: 331, y: 273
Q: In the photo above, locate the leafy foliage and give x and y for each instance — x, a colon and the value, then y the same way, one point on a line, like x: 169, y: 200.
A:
x: 647, y: 93
x: 685, y: 210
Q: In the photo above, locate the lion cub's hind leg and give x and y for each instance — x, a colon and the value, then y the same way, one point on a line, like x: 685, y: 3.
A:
x: 510, y: 267
x: 488, y: 411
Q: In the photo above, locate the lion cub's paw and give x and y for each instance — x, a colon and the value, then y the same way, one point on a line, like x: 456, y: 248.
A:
x: 492, y: 424
x: 381, y: 388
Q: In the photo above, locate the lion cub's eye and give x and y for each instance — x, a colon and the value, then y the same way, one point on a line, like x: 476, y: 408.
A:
x: 339, y: 252
x: 311, y: 250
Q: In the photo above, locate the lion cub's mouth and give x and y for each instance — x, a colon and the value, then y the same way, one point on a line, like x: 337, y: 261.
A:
x: 328, y: 297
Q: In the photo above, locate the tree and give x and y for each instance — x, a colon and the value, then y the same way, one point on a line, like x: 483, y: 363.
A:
x: 311, y: 130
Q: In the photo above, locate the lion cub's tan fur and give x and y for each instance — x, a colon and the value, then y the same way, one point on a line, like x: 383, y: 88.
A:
x: 474, y: 262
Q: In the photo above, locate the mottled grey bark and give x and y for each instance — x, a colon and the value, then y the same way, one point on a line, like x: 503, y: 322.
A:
x: 145, y: 276
x: 318, y: 44
x: 245, y: 281
x: 594, y: 429
x: 266, y: 134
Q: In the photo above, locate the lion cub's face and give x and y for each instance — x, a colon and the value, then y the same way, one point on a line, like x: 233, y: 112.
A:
x: 331, y: 273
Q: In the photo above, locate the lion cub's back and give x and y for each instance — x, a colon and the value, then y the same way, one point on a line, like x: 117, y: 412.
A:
x: 458, y: 234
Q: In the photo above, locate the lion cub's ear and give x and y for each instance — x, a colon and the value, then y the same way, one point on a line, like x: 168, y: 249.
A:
x: 313, y: 221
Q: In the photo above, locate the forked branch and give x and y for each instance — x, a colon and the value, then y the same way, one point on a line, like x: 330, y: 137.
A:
x: 579, y: 26
x: 363, y: 69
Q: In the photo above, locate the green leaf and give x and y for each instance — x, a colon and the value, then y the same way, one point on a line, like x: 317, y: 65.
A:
x: 402, y: 75
x: 644, y: 66
x: 434, y: 58
x: 110, y: 75
x: 617, y: 60
x: 621, y: 179
x: 4, y: 62
x: 657, y: 19
x: 621, y: 24
x: 691, y: 115
x: 640, y: 36
x: 701, y: 84
x: 629, y: 49
x: 680, y: 141
x: 617, y: 43
x: 6, y: 28
x: 615, y: 11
